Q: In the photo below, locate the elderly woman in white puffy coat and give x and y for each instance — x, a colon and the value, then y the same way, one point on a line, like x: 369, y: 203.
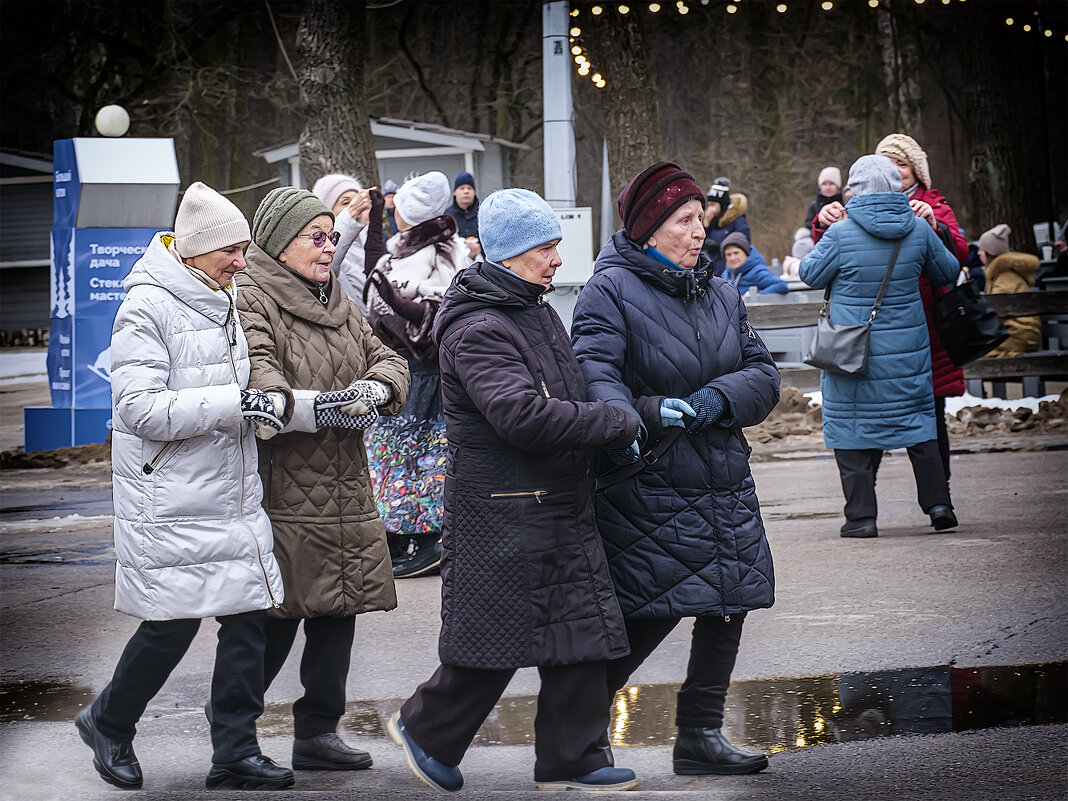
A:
x: 191, y: 538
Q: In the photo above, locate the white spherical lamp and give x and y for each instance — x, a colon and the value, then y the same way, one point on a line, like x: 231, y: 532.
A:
x: 112, y: 121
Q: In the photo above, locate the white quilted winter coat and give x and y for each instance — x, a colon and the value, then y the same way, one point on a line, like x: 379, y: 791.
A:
x: 191, y: 537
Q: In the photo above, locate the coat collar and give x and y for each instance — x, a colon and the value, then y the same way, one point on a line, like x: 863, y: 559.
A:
x: 292, y: 293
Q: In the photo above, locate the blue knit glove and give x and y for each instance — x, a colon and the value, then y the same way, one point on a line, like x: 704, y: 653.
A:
x: 709, y: 404
x: 672, y: 410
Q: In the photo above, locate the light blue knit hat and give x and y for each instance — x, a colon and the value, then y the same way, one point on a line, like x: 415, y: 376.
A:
x: 512, y: 221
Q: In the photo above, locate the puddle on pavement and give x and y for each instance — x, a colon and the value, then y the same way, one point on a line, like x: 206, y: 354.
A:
x: 86, y: 555
x: 773, y: 714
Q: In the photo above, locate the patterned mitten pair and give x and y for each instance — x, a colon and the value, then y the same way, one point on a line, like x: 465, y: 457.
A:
x: 355, y: 407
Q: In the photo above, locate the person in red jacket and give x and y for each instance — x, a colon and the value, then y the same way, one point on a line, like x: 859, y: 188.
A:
x: 928, y: 204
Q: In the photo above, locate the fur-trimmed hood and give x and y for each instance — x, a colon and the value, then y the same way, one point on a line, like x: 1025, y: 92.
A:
x: 1024, y: 265
x: 738, y: 206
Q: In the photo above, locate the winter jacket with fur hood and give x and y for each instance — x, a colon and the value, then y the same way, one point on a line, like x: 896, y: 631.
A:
x: 1015, y: 272
x: 191, y: 538
x: 329, y: 539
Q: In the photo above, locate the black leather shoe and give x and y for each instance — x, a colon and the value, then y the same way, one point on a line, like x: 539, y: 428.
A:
x: 861, y: 528
x: 702, y: 751
x: 942, y: 517
x: 328, y: 752
x: 115, y: 762
x: 256, y: 772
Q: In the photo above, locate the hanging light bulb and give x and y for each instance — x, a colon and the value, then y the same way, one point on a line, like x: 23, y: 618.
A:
x: 781, y: 8
x: 731, y: 8
x: 597, y: 77
x: 580, y: 60
x: 1027, y: 28
x: 600, y: 84
x: 623, y: 9
x: 576, y: 50
x: 1009, y: 21
x: 584, y: 70
x: 826, y: 5
x: 654, y: 7
x: 683, y: 9
x: 596, y: 11
x: 1047, y: 33
x: 873, y: 3
x: 574, y: 12
x: 576, y: 31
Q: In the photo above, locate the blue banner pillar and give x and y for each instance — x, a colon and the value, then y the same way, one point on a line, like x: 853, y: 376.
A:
x: 110, y: 197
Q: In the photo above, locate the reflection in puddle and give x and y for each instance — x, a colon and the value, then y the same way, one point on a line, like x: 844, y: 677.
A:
x: 773, y: 714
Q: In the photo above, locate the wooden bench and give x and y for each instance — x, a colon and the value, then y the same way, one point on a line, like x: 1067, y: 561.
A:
x: 1032, y: 369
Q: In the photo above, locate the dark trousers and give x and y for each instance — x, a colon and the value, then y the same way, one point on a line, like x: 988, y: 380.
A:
x: 713, y: 651
x: 324, y: 667
x: 155, y: 650
x: 858, y: 469
x: 943, y: 434
x: 444, y: 713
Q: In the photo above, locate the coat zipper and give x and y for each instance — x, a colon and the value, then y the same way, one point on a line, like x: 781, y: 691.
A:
x: 536, y: 494
x: 241, y: 498
x: 545, y: 389
x: 154, y: 464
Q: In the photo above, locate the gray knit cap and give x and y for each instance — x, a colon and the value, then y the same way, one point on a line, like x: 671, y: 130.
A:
x: 874, y: 174
x: 996, y: 240
x: 207, y: 221
x: 282, y: 215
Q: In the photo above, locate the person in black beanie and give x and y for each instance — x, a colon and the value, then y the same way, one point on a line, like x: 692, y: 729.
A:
x: 464, y: 210
x: 655, y: 332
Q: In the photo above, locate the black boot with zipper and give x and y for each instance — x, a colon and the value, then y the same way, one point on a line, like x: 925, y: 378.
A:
x: 703, y: 751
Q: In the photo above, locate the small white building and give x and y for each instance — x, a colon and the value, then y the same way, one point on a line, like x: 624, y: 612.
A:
x: 405, y: 148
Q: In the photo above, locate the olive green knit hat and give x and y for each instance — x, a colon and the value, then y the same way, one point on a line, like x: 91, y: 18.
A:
x: 282, y: 214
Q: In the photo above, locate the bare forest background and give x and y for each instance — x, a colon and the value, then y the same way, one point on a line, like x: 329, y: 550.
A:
x: 764, y: 98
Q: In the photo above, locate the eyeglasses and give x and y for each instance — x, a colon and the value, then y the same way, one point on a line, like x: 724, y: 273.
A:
x: 319, y: 238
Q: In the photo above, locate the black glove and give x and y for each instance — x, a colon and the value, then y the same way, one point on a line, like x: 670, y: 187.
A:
x: 408, y: 309
x: 375, y: 248
x: 259, y: 409
x: 710, y: 404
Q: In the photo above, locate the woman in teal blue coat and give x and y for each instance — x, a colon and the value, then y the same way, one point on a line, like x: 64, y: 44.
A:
x: 892, y: 405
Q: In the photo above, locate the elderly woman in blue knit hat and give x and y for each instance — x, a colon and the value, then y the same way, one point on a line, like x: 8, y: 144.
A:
x: 315, y: 354
x: 524, y: 576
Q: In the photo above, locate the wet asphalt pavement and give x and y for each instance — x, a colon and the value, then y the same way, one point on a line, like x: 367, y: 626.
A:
x: 869, y: 643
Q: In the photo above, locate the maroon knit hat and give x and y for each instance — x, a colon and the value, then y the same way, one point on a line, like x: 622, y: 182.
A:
x: 653, y: 195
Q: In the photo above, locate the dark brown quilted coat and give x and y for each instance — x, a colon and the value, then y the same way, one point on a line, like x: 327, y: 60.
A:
x: 329, y: 539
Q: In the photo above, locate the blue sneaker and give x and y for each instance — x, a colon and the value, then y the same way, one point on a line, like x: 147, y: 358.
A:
x: 427, y: 769
x: 606, y: 778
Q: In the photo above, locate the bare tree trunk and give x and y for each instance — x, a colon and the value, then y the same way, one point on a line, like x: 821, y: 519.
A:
x: 337, y: 128
x: 900, y: 70
x: 629, y: 99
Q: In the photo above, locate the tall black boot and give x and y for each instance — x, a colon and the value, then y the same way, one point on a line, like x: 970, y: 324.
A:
x: 703, y: 751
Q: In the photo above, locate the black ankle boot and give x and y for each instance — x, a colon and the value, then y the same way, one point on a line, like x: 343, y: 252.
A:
x: 703, y: 751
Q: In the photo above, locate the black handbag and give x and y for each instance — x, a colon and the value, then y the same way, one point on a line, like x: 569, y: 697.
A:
x: 843, y: 349
x: 968, y: 325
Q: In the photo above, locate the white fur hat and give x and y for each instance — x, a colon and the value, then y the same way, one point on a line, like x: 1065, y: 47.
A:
x: 423, y: 198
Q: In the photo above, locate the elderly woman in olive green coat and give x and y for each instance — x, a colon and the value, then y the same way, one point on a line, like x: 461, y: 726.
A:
x: 312, y: 350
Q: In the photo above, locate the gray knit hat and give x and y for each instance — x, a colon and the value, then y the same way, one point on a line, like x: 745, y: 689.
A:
x: 996, y: 240
x: 207, y: 221
x: 874, y: 174
x: 281, y: 216
x: 736, y: 239
x: 512, y: 221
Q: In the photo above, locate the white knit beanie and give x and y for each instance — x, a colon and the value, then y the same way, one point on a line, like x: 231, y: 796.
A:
x: 207, y: 221
x: 423, y: 198
x: 832, y: 174
x: 904, y: 147
x: 330, y: 187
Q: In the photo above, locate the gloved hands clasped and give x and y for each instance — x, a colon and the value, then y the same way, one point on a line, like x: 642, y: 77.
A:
x: 621, y: 457
x: 264, y: 410
x: 709, y: 405
x: 672, y: 411
x: 354, y: 407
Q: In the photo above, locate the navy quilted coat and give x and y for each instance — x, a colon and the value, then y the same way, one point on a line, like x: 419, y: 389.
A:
x: 683, y: 535
x: 892, y: 406
x: 524, y: 575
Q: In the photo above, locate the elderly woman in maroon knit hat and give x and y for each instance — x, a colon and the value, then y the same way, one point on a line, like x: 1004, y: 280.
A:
x: 656, y: 332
